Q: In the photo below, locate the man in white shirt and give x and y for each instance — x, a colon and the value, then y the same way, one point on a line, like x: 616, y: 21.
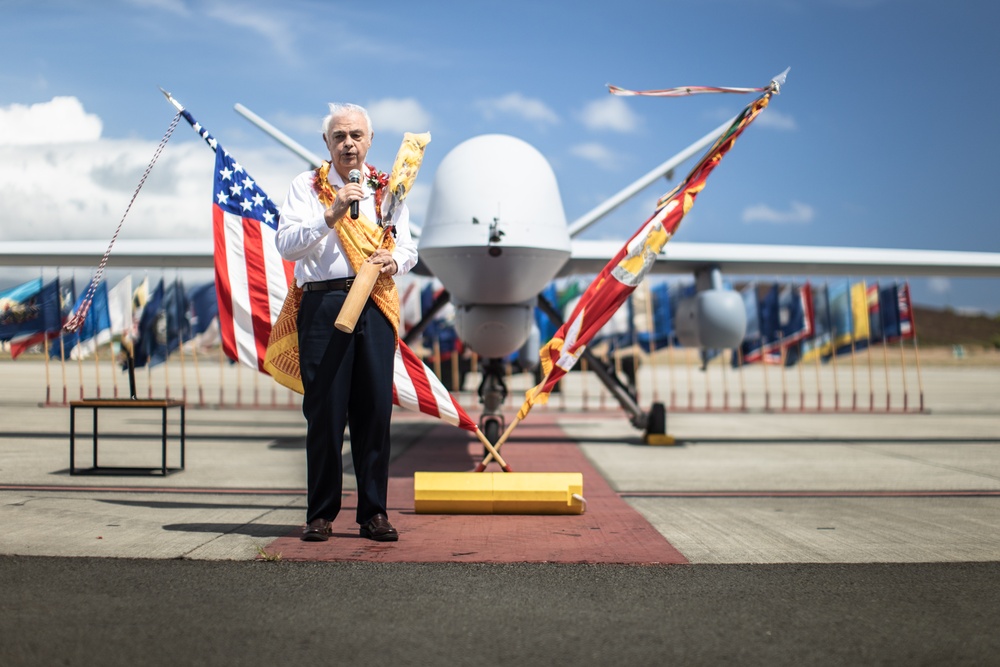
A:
x: 346, y: 377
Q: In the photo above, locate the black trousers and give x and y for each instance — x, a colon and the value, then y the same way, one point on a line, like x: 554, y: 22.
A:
x: 347, y: 381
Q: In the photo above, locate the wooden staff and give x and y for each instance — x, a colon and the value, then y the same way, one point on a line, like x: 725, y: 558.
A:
x: 494, y: 450
x: 62, y: 364
x: 902, y: 369
x: 197, y: 370
x: 743, y: 385
x: 767, y: 385
x: 781, y: 370
x: 114, y: 375
x: 436, y: 353
x: 180, y: 349
x: 493, y: 453
x: 97, y: 367
x: 222, y: 379
x: 833, y: 360
x: 357, y: 297
x: 48, y: 380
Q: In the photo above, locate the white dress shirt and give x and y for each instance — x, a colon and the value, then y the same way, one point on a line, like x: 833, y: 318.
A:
x: 304, y: 238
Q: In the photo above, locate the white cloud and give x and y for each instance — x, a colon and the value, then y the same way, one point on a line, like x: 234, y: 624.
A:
x: 399, y: 115
x: 609, y: 113
x: 516, y: 104
x: 776, y: 120
x: 797, y: 214
x: 596, y: 153
x: 60, y: 121
x: 82, y: 189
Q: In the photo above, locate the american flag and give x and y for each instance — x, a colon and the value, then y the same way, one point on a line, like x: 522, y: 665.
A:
x: 251, y: 278
x: 415, y: 387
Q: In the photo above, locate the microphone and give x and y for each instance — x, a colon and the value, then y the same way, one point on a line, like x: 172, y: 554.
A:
x: 354, y: 176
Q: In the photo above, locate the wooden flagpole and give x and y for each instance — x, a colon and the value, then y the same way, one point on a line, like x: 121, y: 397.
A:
x: 48, y: 380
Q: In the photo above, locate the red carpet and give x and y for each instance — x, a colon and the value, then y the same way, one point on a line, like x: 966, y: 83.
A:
x: 608, y: 532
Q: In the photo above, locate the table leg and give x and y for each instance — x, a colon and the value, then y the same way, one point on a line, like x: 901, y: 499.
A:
x: 164, y: 466
x: 182, y: 436
x: 95, y: 438
x: 72, y: 440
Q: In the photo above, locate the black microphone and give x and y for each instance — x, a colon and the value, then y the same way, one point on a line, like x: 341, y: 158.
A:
x: 354, y: 176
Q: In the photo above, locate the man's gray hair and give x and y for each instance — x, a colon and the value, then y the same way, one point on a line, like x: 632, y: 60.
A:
x: 339, y: 109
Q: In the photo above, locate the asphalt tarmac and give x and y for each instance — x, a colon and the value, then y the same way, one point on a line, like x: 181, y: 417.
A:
x: 803, y: 539
x: 90, y: 611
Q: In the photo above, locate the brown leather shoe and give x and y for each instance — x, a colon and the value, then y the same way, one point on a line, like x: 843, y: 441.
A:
x: 317, y: 530
x: 379, y: 529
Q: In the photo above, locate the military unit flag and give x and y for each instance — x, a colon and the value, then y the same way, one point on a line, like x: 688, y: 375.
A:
x: 628, y: 267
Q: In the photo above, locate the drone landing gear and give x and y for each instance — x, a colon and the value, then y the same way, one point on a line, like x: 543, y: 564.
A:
x: 492, y: 394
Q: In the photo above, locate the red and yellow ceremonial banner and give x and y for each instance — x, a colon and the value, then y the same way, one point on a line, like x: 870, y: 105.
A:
x: 628, y: 267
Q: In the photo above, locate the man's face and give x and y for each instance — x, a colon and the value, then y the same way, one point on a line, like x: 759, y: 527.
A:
x: 348, y: 140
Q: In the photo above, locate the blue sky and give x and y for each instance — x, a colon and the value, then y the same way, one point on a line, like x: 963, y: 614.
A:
x: 882, y: 136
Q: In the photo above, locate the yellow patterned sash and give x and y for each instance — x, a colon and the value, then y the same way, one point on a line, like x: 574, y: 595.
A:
x: 360, y: 239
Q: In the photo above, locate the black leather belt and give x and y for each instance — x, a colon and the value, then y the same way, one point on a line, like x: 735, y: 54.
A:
x: 336, y: 285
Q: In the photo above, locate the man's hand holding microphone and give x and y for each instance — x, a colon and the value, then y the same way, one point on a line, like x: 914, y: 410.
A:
x: 347, y: 199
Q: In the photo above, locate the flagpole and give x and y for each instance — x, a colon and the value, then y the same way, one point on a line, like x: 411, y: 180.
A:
x: 496, y: 448
x: 916, y: 351
x: 62, y: 363
x: 222, y: 379
x: 114, y: 375
x: 902, y: 357
x: 166, y: 369
x: 868, y: 353
x: 97, y: 366
x: 492, y: 449
x: 48, y: 380
x: 79, y: 362
x: 197, y: 369
x: 183, y: 369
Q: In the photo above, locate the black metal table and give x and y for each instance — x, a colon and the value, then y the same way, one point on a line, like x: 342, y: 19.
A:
x: 96, y: 404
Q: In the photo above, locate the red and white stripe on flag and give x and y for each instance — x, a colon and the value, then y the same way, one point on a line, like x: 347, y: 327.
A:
x: 415, y: 387
x: 251, y: 281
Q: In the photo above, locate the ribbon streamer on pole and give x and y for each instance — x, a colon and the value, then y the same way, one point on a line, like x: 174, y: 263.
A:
x: 684, y: 91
